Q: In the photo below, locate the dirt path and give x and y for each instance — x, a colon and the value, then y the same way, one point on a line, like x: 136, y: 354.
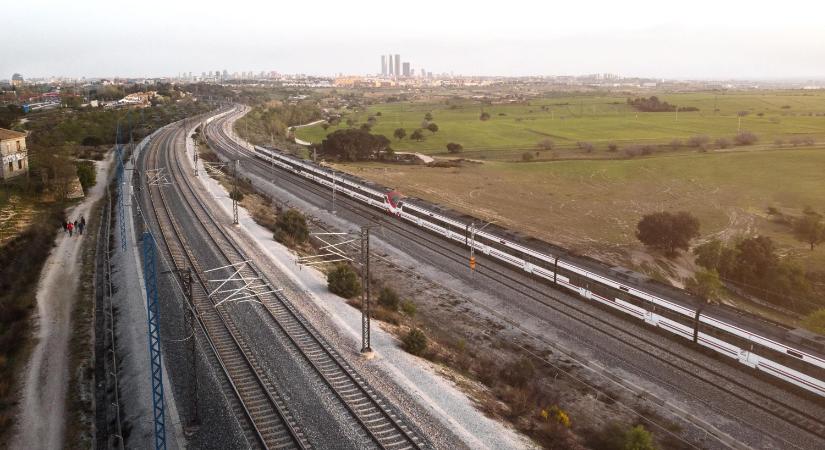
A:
x: 41, y: 418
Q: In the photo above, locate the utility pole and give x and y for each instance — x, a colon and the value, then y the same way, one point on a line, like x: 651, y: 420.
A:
x: 195, y: 160
x: 333, y: 192
x: 235, y: 195
x: 365, y: 294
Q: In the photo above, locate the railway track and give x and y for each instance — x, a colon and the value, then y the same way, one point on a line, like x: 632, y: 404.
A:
x: 272, y: 424
x: 376, y: 417
x: 781, y: 410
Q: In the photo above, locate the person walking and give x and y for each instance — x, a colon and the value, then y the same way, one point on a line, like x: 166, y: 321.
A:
x: 70, y: 226
x: 65, y: 226
x: 82, y: 224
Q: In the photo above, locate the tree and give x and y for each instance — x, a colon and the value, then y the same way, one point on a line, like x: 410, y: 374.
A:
x: 612, y: 147
x: 675, y: 144
x: 815, y: 321
x: 291, y: 227
x: 343, y: 281
x: 705, y: 284
x: 388, y: 298
x: 415, y: 341
x: 484, y: 116
x: 637, y: 438
x: 366, y: 127
x: 452, y: 147
x: 432, y: 127
x: 399, y: 133
x: 756, y: 260
x: 354, y: 145
x: 527, y: 156
x: 722, y: 142
x: 325, y: 125
x: 546, y: 144
x: 810, y: 229
x: 428, y: 117
x: 86, y: 174
x: 667, y: 231
x: 586, y: 146
x: 417, y: 135
x: 698, y: 141
x: 714, y: 256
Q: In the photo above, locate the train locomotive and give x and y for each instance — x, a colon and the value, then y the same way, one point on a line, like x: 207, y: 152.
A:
x: 756, y: 345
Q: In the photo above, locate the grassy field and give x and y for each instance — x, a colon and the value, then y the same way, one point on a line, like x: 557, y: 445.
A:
x: 593, y: 206
x: 516, y: 127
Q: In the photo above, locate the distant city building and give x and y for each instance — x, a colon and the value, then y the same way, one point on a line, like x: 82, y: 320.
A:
x: 406, y: 70
x: 17, y: 80
x: 15, y: 156
x: 389, y: 65
x: 383, y: 65
x: 225, y: 75
x: 397, y: 65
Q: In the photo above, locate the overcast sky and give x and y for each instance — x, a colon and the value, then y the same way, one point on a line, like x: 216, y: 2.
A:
x: 657, y: 38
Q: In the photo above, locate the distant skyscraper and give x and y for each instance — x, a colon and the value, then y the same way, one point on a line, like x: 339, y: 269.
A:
x: 384, y: 65
x: 389, y: 65
x: 406, y: 70
x: 397, y: 65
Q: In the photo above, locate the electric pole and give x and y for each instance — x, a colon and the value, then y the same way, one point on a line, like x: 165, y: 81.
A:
x: 365, y: 293
x: 186, y: 280
x: 235, y: 195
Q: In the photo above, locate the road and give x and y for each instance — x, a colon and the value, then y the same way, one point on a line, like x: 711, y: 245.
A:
x: 711, y: 394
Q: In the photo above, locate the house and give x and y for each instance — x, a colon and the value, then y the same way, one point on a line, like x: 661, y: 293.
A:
x: 15, y: 157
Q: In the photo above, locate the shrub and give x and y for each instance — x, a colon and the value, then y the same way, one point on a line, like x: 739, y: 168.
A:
x: 86, y: 173
x: 546, y: 144
x: 343, y: 281
x: 518, y: 372
x: 236, y: 195
x: 698, y: 140
x: 388, y: 298
x: 92, y: 141
x: 408, y: 308
x: 557, y: 414
x: 452, y: 147
x: 417, y: 135
x: 676, y: 144
x: 586, y: 146
x: 291, y: 226
x: 637, y: 438
x: 778, y: 142
x: 484, y: 116
x: 745, y: 138
x: 527, y: 156
x: 415, y: 341
x: 723, y: 143
x: 612, y: 147
x: 325, y: 125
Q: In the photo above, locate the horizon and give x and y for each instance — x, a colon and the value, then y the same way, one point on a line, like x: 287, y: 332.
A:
x: 709, y: 41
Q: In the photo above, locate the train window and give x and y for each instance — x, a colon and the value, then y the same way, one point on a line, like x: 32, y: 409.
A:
x: 626, y: 289
x: 794, y: 353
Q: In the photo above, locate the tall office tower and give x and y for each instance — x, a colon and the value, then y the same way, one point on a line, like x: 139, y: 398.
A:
x: 384, y: 65
x: 397, y: 65
x: 389, y: 65
x: 225, y: 74
x: 406, y: 69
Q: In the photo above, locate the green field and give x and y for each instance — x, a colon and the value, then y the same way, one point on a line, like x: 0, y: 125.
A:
x: 516, y: 127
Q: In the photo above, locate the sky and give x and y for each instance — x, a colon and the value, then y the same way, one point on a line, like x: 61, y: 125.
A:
x: 697, y: 39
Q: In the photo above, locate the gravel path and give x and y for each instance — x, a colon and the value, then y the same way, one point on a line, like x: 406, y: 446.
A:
x: 41, y: 419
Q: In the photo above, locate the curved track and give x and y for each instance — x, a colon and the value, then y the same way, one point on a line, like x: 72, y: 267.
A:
x: 808, y: 422
x: 377, y: 418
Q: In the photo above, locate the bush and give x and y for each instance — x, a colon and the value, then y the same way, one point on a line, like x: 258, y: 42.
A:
x: 343, y: 281
x: 236, y: 195
x: 388, y: 298
x: 484, y: 116
x: 86, y: 173
x: 92, y: 141
x: 698, y: 140
x: 408, y: 308
x: 586, y: 146
x: 291, y: 226
x: 452, y: 147
x: 723, y: 143
x: 637, y: 438
x: 612, y: 147
x: 546, y: 144
x: 518, y: 373
x: 745, y: 138
x: 778, y: 142
x: 415, y: 341
x: 527, y: 156
x: 557, y: 414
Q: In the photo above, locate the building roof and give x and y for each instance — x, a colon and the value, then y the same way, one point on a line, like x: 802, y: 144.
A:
x: 10, y: 134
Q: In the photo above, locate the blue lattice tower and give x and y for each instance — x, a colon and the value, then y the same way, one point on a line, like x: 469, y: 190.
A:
x: 150, y: 280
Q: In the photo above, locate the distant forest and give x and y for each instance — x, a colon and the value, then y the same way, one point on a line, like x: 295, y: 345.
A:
x: 653, y: 104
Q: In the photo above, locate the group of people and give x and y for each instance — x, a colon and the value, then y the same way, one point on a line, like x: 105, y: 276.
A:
x: 76, y: 226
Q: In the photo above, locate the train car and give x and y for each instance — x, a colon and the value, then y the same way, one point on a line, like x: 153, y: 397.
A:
x: 662, y: 307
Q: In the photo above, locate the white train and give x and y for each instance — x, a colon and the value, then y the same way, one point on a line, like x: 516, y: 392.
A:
x: 758, y: 345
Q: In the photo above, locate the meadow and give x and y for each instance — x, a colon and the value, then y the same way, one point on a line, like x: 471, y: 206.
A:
x: 592, y: 206
x: 566, y: 120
